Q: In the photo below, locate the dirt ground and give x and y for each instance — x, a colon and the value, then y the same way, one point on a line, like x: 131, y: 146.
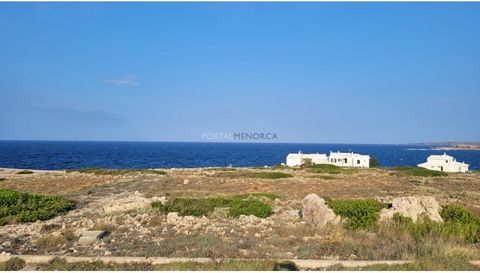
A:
x: 144, y: 232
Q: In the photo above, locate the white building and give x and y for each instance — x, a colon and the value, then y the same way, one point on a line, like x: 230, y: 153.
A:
x: 337, y: 159
x: 444, y: 163
x: 349, y: 160
x: 299, y: 159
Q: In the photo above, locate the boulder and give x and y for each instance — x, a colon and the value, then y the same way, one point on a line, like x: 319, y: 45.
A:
x: 128, y: 203
x: 414, y: 207
x: 316, y: 212
x: 162, y: 199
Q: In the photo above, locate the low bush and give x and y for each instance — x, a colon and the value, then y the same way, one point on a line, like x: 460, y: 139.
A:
x: 246, y: 205
x: 271, y: 196
x: 374, y: 162
x: 25, y: 172
x: 14, y: 264
x: 103, y: 171
x: 59, y: 264
x: 360, y: 214
x: 225, y: 169
x: 417, y: 171
x: 23, y: 207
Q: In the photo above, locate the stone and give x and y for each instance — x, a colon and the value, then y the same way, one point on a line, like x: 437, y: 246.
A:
x: 316, y: 212
x: 186, y: 182
x: 163, y: 199
x: 250, y: 219
x: 128, y: 203
x: 414, y: 207
x: 172, y: 218
x: 91, y: 236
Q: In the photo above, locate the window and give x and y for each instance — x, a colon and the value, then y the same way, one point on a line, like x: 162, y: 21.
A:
x: 345, y: 160
x: 358, y: 161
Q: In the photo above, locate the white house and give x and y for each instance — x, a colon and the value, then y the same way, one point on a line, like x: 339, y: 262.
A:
x: 349, y: 160
x: 338, y: 159
x: 444, y: 163
x: 299, y: 159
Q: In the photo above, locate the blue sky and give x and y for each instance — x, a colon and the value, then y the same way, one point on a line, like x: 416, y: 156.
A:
x: 310, y: 72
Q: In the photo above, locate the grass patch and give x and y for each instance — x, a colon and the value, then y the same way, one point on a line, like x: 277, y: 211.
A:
x: 23, y: 207
x: 417, y: 171
x: 327, y: 177
x: 228, y: 265
x: 271, y: 196
x: 103, y: 171
x: 14, y: 264
x: 360, y: 214
x: 58, y: 264
x: 449, y: 263
x: 238, y: 205
x: 225, y: 169
x: 271, y: 175
x: 328, y: 169
x: 25, y: 172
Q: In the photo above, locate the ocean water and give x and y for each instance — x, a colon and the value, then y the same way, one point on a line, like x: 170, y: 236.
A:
x: 58, y: 155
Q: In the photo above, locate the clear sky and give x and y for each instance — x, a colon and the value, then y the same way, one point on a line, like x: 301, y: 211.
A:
x: 309, y: 72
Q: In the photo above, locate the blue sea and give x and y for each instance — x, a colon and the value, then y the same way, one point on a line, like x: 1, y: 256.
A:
x: 58, y: 155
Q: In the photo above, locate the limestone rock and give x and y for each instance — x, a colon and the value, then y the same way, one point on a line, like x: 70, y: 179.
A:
x: 414, y: 207
x: 128, y: 203
x: 161, y: 199
x: 316, y: 212
x: 172, y: 218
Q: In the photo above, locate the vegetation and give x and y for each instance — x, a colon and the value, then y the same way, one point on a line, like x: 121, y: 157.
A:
x: 459, y: 223
x: 228, y: 265
x: 441, y: 263
x: 325, y: 168
x: 225, y: 169
x: 238, y: 205
x: 271, y: 175
x: 23, y: 207
x: 417, y: 171
x: 25, y: 172
x: 374, y: 162
x: 360, y: 214
x: 327, y: 177
x: 103, y: 171
x: 14, y: 264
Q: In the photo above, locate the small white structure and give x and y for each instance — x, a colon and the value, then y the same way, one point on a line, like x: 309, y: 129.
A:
x: 337, y: 159
x: 444, y: 163
x: 299, y: 159
x: 349, y: 160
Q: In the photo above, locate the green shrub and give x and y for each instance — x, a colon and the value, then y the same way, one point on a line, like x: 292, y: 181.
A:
x: 25, y: 172
x: 360, y: 214
x: 14, y: 264
x: 327, y: 177
x: 244, y: 204
x: 23, y: 207
x: 103, y: 171
x: 417, y: 171
x: 374, y: 162
x: 459, y: 214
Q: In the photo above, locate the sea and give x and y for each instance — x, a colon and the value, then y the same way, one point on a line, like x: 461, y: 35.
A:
x: 64, y: 155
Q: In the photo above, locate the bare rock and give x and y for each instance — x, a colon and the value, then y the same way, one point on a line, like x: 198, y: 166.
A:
x: 316, y: 212
x: 172, y: 218
x: 414, y: 207
x: 162, y: 199
x: 249, y: 219
x: 128, y: 203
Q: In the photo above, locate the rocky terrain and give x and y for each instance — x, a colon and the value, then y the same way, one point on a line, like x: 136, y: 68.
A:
x: 302, y: 225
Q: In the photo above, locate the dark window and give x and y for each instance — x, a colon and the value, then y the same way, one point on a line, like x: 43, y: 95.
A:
x: 358, y: 162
